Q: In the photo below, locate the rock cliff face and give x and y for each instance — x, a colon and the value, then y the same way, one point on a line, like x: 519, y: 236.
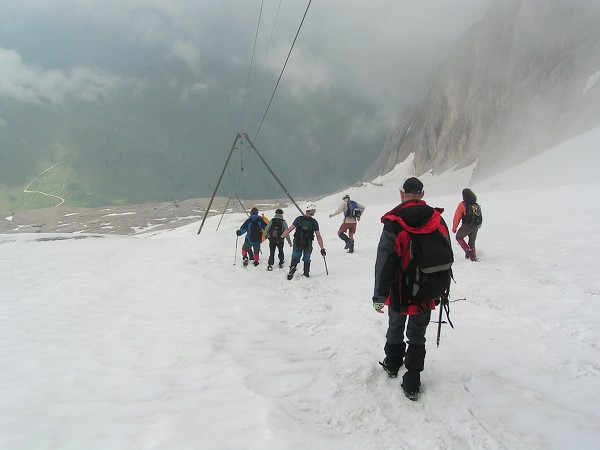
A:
x: 524, y: 78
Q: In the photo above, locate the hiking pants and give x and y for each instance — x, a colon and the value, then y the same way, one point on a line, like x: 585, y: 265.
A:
x: 275, y: 243
x: 415, y: 330
x: 301, y: 254
x: 467, y: 230
x: 415, y: 334
x: 252, y: 250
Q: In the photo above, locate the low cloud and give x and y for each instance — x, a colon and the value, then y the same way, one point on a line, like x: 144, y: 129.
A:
x: 185, y: 92
x: 305, y: 73
x: 34, y: 84
x: 147, y: 29
x: 381, y: 51
x: 188, y: 53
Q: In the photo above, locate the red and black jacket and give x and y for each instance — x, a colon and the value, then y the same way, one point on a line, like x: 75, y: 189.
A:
x: 393, y: 252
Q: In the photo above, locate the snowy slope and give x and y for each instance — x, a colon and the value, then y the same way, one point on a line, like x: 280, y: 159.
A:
x: 166, y: 342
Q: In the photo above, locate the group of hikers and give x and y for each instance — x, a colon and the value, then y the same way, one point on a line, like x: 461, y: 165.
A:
x: 277, y: 232
x: 412, y: 266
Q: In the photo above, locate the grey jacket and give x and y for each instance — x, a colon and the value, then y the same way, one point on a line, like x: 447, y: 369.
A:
x: 284, y: 227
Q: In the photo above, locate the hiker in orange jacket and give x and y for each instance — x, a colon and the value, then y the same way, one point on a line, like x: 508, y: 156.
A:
x: 469, y: 212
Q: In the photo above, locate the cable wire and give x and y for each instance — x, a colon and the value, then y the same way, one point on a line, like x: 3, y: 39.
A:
x: 251, y: 60
x: 260, y: 68
x: 282, y: 70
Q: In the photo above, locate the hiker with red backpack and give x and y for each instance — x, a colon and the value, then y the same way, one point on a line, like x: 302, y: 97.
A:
x: 412, y: 275
x: 253, y: 228
x: 274, y: 230
x: 352, y: 213
x: 469, y: 212
x: 306, y: 228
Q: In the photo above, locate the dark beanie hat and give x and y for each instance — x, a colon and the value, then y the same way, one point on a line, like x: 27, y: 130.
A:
x: 279, y: 211
x: 412, y: 186
x: 254, y: 211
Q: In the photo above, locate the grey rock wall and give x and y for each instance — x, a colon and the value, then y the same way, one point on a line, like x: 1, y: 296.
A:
x: 517, y: 83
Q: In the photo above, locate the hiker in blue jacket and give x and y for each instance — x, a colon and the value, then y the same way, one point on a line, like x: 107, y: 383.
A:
x: 253, y: 228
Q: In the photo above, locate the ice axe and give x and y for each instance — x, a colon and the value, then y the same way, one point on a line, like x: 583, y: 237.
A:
x: 325, y: 261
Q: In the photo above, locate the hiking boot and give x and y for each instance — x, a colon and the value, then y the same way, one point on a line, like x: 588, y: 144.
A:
x: 256, y: 263
x: 245, y: 262
x: 281, y: 265
x: 473, y: 254
x: 351, y: 246
x: 411, y: 381
x: 290, y: 275
x: 269, y: 267
x: 468, y: 254
x: 391, y: 369
x: 347, y: 245
x: 411, y: 395
x: 344, y: 238
x: 306, y: 269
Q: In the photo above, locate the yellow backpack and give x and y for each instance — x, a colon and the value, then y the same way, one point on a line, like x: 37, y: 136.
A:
x: 266, y: 221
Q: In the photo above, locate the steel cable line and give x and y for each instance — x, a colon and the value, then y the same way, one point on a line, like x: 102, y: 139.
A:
x: 271, y: 35
x: 251, y: 62
x: 253, y: 91
x: 282, y: 70
x: 242, y: 157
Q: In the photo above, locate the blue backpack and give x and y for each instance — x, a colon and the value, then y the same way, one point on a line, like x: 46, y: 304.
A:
x: 353, y: 210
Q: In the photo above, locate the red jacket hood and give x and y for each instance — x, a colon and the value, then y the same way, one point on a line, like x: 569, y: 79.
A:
x: 415, y: 216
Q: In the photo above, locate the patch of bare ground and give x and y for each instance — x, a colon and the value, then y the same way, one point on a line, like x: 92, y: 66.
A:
x: 124, y: 220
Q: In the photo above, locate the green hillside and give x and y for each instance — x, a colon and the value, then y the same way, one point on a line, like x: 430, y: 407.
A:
x: 153, y: 145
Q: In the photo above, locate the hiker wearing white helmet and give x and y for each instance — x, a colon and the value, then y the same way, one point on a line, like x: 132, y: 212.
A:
x: 306, y: 229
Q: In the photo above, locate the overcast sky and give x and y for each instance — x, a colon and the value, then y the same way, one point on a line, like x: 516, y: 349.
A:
x: 383, y: 50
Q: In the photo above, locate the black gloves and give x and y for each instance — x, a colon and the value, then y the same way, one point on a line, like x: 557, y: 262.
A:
x: 238, y: 232
x: 323, y: 252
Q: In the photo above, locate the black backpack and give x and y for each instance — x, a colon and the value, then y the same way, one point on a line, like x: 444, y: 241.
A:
x: 255, y: 230
x: 276, y: 228
x: 353, y: 210
x: 473, y: 214
x: 304, y: 234
x: 429, y: 271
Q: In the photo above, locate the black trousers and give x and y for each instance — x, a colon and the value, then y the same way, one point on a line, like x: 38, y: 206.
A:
x: 275, y: 243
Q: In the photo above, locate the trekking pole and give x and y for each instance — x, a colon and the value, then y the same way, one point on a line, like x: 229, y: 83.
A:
x: 236, y: 246
x: 325, y: 261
